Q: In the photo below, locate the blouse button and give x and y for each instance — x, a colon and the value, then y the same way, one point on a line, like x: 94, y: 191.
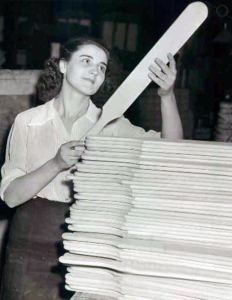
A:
x: 66, y: 200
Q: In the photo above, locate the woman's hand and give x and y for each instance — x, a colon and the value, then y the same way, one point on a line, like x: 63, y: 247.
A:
x: 165, y: 78
x: 68, y: 154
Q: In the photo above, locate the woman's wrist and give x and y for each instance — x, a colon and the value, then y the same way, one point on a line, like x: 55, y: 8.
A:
x: 168, y: 101
x: 54, y: 166
x: 166, y: 95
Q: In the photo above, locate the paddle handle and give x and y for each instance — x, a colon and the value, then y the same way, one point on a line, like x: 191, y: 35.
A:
x: 97, y: 127
x: 101, y: 123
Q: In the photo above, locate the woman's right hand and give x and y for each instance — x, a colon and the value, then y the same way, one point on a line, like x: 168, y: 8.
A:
x: 68, y: 154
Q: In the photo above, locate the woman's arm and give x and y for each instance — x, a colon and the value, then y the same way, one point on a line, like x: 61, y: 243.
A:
x: 27, y: 186
x: 165, y: 78
x: 171, y: 123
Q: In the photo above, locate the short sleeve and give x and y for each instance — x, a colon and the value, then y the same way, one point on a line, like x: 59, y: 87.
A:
x: 123, y: 127
x: 15, y: 159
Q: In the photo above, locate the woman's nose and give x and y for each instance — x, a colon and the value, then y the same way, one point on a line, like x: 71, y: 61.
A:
x: 94, y: 70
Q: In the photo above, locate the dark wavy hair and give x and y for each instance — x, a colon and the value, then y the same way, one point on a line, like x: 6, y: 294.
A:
x: 50, y: 81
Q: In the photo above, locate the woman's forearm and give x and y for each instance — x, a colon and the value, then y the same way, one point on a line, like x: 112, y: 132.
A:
x: 27, y: 186
x: 171, y: 123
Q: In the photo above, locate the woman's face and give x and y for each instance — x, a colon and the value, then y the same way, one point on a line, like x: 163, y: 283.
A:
x: 85, y: 72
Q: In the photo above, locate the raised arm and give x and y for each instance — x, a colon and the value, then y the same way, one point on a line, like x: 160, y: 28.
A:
x: 165, y: 78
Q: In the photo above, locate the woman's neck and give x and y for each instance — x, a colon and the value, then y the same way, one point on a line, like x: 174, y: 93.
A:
x: 71, y: 105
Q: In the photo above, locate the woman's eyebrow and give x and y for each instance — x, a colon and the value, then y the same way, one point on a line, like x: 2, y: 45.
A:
x: 89, y: 56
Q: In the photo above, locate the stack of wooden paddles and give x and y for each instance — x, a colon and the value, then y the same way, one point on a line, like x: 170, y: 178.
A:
x: 152, y: 220
x: 224, y: 123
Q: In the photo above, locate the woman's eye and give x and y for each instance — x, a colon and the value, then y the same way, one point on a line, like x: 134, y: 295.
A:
x: 102, y: 68
x: 86, y: 60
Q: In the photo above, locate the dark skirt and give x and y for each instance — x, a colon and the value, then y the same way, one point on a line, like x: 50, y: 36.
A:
x: 32, y: 269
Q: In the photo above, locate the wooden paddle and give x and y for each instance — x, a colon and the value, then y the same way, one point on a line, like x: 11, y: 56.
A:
x: 172, y: 40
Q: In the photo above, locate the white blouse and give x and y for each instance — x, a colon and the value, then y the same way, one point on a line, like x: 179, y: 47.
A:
x: 36, y: 136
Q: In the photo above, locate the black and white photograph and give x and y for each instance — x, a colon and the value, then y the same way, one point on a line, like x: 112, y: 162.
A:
x: 116, y: 150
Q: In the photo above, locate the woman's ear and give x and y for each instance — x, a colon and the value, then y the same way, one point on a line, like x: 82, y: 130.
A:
x: 62, y: 65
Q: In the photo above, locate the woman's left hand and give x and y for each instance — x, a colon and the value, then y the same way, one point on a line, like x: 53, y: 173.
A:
x: 165, y: 78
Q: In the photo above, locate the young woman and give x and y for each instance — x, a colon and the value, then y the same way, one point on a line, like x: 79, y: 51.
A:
x: 44, y: 143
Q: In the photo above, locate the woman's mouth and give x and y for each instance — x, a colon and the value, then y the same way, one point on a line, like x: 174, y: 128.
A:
x: 89, y: 80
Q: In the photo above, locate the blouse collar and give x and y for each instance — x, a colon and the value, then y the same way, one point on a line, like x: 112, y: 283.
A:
x: 47, y: 112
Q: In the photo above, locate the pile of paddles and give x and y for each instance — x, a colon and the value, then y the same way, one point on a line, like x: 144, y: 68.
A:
x: 152, y: 220
x: 224, y: 123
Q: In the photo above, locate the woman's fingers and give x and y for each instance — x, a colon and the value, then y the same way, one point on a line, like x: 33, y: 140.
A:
x: 172, y: 63
x: 72, y: 144
x: 79, y: 148
x: 165, y: 69
x: 69, y: 153
x: 74, y: 148
x: 156, y: 79
x: 75, y: 153
x: 165, y: 76
x: 157, y: 73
